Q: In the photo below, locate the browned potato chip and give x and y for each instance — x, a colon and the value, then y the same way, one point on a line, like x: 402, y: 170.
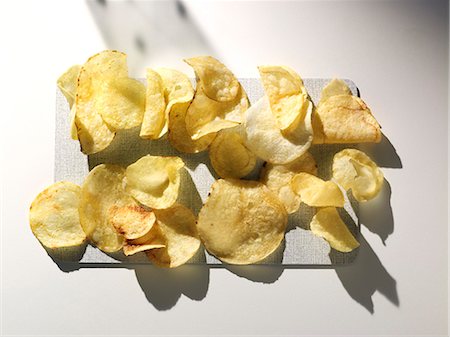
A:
x: 315, y: 192
x: 278, y: 179
x: 327, y: 224
x: 132, y: 221
x: 229, y: 156
x: 218, y: 82
x: 344, y: 119
x: 177, y: 225
x: 54, y: 218
x: 242, y: 221
x: 353, y: 169
x: 101, y: 192
x: 154, y: 181
x: 150, y: 240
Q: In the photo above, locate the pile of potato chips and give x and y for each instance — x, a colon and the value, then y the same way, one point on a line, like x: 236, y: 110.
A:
x: 137, y: 208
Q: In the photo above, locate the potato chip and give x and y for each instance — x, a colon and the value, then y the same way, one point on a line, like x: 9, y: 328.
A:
x: 154, y: 181
x: 178, y: 134
x: 217, y: 81
x: 287, y: 95
x: 150, y: 240
x: 54, y: 218
x: 278, y: 179
x: 155, y: 106
x: 132, y: 221
x: 266, y: 140
x: 242, y: 221
x: 334, y: 88
x: 315, y: 192
x: 205, y: 115
x: 178, y: 227
x: 121, y: 102
x: 327, y: 224
x: 73, y: 125
x: 177, y: 90
x: 229, y: 156
x: 353, y: 169
x: 344, y: 119
x: 101, y: 192
x: 94, y: 134
x: 67, y: 83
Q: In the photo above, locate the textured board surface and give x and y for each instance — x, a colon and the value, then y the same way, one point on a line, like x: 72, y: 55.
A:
x: 300, y: 247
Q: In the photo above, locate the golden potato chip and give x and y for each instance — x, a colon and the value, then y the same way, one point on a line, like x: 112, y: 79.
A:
x: 154, y: 181
x: 287, y: 95
x: 178, y: 229
x: 178, y: 134
x: 353, y: 169
x: 54, y: 218
x: 121, y: 102
x: 150, y: 240
x: 93, y: 132
x: 101, y: 192
x: 73, y: 125
x: 242, y: 221
x: 205, y: 115
x: 315, y: 192
x: 67, y: 83
x: 344, y: 119
x: 327, y: 224
x: 335, y: 87
x: 155, y: 106
x: 177, y: 90
x: 266, y: 140
x: 229, y: 156
x: 217, y: 81
x: 132, y: 221
x: 278, y: 179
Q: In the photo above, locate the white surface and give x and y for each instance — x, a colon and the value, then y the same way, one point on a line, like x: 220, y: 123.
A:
x: 397, y: 52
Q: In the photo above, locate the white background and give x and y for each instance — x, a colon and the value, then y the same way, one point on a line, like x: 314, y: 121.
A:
x: 397, y: 54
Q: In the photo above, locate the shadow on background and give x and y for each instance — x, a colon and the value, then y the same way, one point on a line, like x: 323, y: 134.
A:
x: 150, y: 32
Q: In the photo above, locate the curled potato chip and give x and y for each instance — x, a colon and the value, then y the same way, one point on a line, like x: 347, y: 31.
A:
x: 335, y: 87
x: 121, y: 102
x: 54, y: 218
x: 67, y: 83
x: 93, y: 132
x: 101, y: 192
x: 327, y: 224
x: 177, y: 90
x: 150, y: 240
x: 353, y: 169
x: 287, y: 95
x: 278, y: 179
x: 205, y: 115
x: 132, y: 221
x: 178, y: 228
x: 266, y: 140
x: 154, y: 117
x: 344, y: 119
x: 315, y: 192
x: 218, y: 82
x: 242, y: 221
x: 178, y: 134
x: 229, y: 156
x: 154, y: 181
